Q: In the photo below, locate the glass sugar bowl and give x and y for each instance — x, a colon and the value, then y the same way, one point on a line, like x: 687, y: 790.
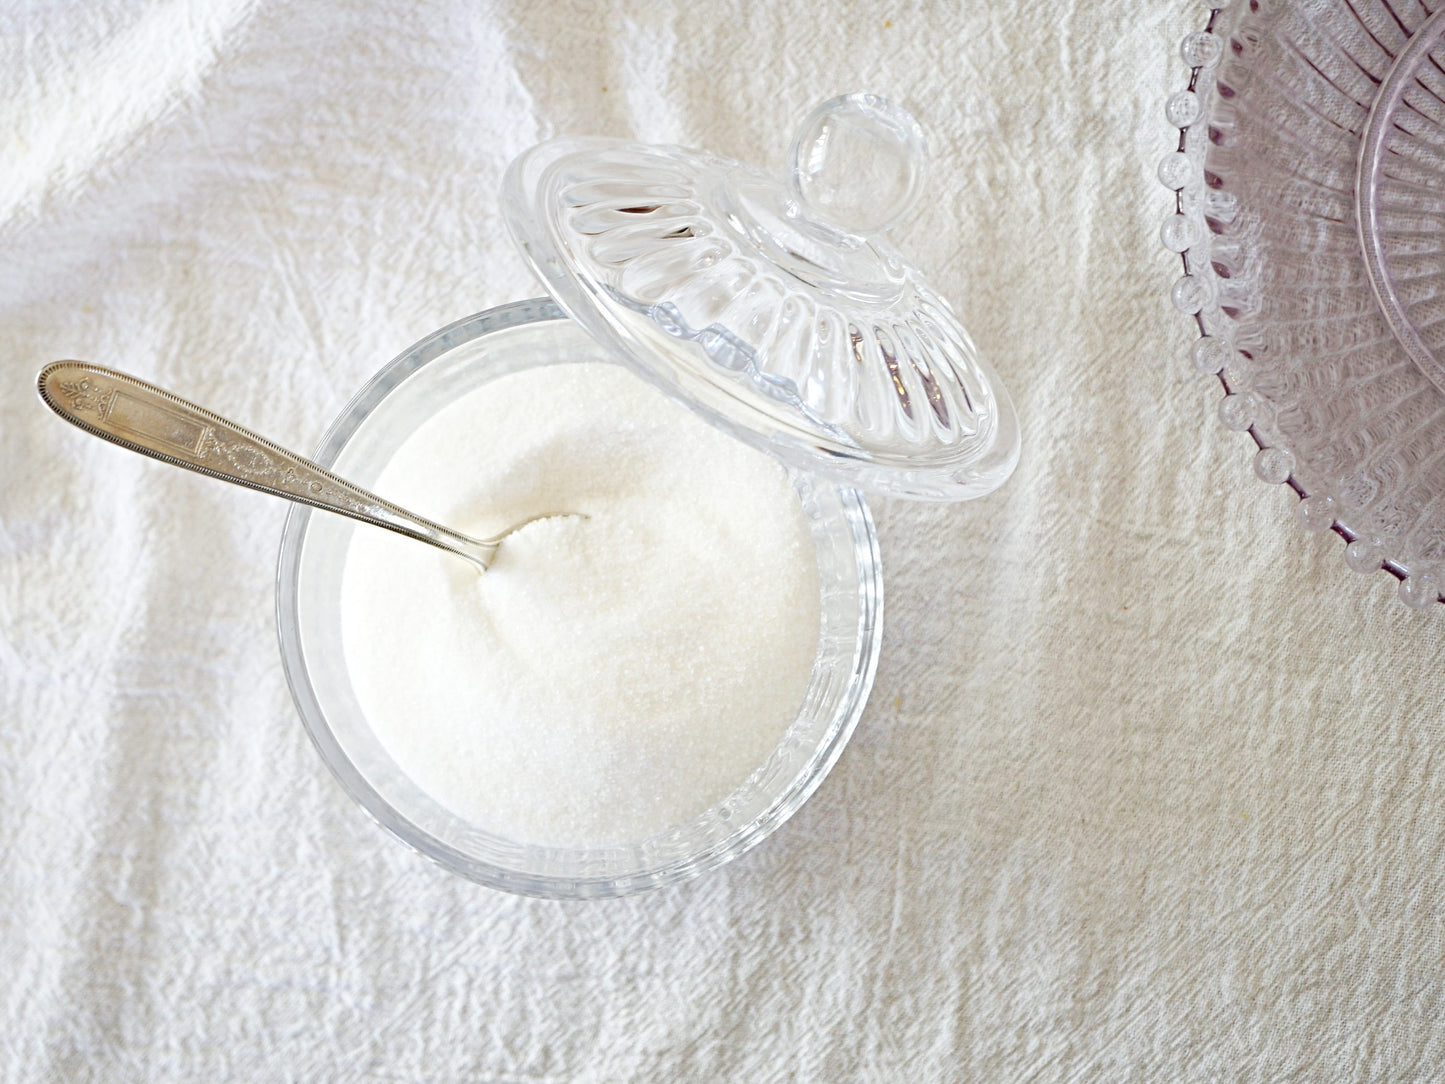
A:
x: 774, y: 310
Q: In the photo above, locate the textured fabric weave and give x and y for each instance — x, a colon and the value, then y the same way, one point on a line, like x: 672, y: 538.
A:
x: 1150, y: 785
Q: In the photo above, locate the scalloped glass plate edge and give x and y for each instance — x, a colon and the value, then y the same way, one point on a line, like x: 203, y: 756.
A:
x: 1186, y: 233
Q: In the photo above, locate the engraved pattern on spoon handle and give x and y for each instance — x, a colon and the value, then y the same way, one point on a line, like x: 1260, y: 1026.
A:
x: 153, y: 422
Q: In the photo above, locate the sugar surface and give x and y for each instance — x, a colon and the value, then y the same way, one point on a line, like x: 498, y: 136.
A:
x: 606, y: 678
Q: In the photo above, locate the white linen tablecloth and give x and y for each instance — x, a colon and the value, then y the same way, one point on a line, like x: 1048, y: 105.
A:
x: 1150, y: 785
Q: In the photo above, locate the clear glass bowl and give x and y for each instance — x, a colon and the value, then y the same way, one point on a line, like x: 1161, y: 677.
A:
x: 452, y: 362
x: 1310, y: 268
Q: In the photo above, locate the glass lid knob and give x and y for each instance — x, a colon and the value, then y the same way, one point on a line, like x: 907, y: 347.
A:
x: 857, y: 162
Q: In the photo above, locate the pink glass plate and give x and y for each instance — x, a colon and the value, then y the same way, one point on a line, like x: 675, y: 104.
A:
x: 1310, y: 220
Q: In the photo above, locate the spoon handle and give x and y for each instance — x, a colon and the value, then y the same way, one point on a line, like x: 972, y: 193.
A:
x: 153, y: 422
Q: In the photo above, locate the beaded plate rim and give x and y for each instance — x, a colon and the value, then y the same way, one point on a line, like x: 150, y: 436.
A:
x: 1186, y: 233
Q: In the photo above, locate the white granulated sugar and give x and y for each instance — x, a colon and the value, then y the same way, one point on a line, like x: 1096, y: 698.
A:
x: 606, y: 678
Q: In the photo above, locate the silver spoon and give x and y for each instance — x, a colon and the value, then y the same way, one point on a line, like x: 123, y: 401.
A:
x: 149, y: 420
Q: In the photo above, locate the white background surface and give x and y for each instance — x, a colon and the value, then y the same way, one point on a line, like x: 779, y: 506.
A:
x: 1150, y: 785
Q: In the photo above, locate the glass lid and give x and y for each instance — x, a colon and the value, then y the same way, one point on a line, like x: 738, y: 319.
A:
x: 775, y: 308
